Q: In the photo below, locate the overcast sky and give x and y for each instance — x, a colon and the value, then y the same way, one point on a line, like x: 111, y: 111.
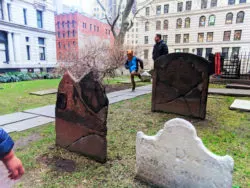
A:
x: 87, y: 4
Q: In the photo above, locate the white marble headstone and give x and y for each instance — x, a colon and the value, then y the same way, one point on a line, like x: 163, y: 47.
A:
x: 177, y: 158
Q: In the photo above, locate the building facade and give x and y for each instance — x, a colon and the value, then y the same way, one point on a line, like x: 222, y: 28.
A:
x: 75, y: 30
x: 27, y: 35
x: 196, y: 26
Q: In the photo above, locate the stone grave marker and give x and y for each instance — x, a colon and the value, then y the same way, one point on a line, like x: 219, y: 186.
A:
x: 176, y: 157
x: 180, y: 85
x: 81, y: 116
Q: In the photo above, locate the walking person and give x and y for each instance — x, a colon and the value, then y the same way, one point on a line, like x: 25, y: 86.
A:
x: 132, y: 64
x: 7, y: 156
x: 160, y: 48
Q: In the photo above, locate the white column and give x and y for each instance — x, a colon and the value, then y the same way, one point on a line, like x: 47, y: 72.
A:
x: 17, y: 47
x: 10, y: 48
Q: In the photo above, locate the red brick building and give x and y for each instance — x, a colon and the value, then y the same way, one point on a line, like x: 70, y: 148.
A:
x: 75, y: 30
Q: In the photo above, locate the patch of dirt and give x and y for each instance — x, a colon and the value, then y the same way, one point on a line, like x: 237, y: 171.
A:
x: 118, y: 87
x: 22, y: 142
x: 60, y: 164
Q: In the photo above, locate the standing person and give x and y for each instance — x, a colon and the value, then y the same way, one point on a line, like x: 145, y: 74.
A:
x: 160, y: 48
x: 132, y: 64
x: 7, y: 156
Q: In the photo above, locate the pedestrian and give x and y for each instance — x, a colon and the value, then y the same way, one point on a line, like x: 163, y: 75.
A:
x: 132, y: 64
x: 160, y: 48
x: 7, y: 156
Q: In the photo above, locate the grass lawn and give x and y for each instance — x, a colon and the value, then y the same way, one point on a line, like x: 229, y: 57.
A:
x: 223, y: 132
x: 15, y: 97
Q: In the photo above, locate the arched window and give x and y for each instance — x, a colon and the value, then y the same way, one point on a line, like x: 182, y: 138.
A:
x: 240, y: 17
x: 187, y: 23
x: 202, y: 22
x: 229, y: 18
x: 63, y: 24
x: 147, y: 26
x: 211, y: 21
x: 158, y: 25
x: 179, y: 23
x: 165, y: 25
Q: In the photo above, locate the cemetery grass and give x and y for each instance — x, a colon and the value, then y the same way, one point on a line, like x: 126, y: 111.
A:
x: 223, y: 132
x: 15, y: 97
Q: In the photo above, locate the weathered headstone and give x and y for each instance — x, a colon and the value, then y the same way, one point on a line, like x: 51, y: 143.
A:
x: 176, y: 157
x: 81, y: 116
x: 180, y: 85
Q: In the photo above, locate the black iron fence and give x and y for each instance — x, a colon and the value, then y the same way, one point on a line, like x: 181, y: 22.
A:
x: 236, y: 67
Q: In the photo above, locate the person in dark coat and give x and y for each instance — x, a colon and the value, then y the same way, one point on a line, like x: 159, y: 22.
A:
x: 7, y: 156
x: 160, y: 48
x: 132, y: 64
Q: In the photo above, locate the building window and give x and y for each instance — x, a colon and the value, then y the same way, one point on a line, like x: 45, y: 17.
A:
x: 229, y: 18
x: 25, y: 16
x: 68, y: 33
x: 147, y: 26
x: 225, y: 52
x: 147, y: 13
x: 145, y: 39
x: 68, y: 45
x: 200, y: 52
x: 211, y: 21
x: 187, y: 23
x: 58, y: 25
x: 27, y: 39
x: 177, y: 50
x: 41, y: 43
x: 166, y: 9
x: 63, y: 35
x: 165, y: 25
x: 210, y: 36
x: 59, y: 35
x: 158, y: 10
x: 64, y: 46
x: 203, y: 4
x: 94, y: 28
x: 185, y: 50
x: 231, y: 2
x: 165, y: 38
x: 1, y: 10
x: 208, y: 52
x: 9, y: 11
x: 236, y: 51
x: 240, y: 17
x: 213, y: 3
x: 59, y: 45
x: 28, y: 52
x: 237, y: 35
x: 73, y: 23
x: 178, y: 38
x: 145, y: 54
x: 39, y: 19
x: 243, y: 1
x: 200, y: 37
x: 186, y: 38
x: 74, y: 43
x: 68, y: 24
x: 180, y: 7
x: 158, y: 25
x: 63, y: 24
x: 227, y: 36
x: 90, y: 28
x: 97, y: 29
x: 74, y: 33
x: 202, y: 22
x: 188, y: 5
x: 179, y: 23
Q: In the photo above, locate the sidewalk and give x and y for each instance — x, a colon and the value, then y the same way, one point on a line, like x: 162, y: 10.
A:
x: 28, y: 119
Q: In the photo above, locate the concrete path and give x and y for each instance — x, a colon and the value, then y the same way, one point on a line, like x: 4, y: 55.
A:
x: 28, y: 119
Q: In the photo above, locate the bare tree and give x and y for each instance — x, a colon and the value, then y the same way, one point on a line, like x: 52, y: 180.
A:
x: 127, y: 19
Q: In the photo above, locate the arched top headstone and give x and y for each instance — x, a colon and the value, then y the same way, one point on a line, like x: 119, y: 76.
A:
x: 176, y: 157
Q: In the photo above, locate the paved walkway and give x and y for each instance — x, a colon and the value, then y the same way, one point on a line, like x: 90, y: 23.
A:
x: 27, y: 119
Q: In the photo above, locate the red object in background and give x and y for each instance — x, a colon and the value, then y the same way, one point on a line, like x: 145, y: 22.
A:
x: 74, y: 30
x: 217, y: 64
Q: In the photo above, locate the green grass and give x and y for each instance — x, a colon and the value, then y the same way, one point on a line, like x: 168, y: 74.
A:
x: 223, y: 132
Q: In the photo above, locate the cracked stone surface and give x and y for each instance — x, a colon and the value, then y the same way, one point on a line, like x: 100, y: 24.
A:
x: 180, y: 85
x: 176, y: 157
x: 81, y: 116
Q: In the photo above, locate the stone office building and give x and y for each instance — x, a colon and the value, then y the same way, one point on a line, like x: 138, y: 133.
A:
x: 196, y: 26
x: 27, y: 35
